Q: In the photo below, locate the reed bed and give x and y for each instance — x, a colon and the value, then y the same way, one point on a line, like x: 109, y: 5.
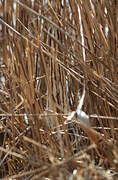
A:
x: 52, y: 53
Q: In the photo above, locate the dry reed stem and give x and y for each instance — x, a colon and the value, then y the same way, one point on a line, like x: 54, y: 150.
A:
x: 49, y: 52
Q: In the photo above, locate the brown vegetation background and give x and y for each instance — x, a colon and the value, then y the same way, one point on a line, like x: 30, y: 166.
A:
x: 49, y: 51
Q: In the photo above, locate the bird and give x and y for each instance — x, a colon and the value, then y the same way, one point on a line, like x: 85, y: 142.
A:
x: 81, y: 115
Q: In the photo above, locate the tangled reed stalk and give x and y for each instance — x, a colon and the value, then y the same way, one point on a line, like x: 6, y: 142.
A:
x: 59, y: 67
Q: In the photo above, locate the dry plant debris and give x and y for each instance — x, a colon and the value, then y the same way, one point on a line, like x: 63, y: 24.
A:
x: 59, y: 89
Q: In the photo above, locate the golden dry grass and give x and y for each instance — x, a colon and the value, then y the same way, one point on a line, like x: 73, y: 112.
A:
x: 50, y: 51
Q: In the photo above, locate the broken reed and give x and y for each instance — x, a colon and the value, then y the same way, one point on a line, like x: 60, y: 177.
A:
x: 48, y: 52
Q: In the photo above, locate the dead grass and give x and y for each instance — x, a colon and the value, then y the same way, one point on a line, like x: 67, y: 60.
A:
x: 48, y: 53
